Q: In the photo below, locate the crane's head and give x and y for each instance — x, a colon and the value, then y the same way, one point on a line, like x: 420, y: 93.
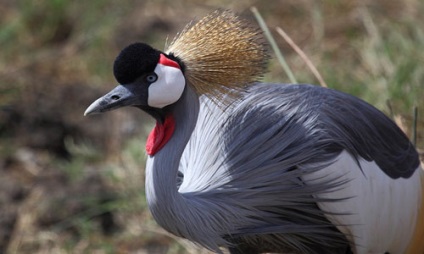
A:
x: 218, y: 56
x: 148, y: 78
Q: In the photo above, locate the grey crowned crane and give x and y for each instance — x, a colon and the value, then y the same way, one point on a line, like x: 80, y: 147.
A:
x: 255, y: 167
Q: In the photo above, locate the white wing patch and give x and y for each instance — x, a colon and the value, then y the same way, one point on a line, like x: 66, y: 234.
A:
x: 381, y: 213
x: 202, y: 162
x: 168, y: 88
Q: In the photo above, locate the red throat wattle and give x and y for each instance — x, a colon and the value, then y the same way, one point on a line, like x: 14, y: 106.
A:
x: 160, y: 135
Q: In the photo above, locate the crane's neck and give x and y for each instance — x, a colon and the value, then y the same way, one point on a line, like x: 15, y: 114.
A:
x: 166, y: 204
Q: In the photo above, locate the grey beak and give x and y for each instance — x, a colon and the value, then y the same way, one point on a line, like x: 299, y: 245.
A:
x: 95, y: 107
x: 119, y: 97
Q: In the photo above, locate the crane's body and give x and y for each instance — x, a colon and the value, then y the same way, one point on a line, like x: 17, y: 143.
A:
x: 300, y: 167
x: 258, y: 167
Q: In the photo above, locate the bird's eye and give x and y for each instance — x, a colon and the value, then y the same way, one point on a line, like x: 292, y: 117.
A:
x: 151, y: 77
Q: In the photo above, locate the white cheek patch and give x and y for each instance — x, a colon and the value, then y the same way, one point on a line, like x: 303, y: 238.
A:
x: 168, y: 88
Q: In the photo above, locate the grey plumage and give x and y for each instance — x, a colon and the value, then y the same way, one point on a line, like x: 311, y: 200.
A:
x: 250, y: 190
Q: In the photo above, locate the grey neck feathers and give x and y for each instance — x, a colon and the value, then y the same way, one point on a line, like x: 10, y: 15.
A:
x: 166, y: 204
x: 184, y: 214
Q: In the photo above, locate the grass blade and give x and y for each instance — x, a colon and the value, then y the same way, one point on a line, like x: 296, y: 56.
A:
x: 302, y: 54
x: 273, y: 44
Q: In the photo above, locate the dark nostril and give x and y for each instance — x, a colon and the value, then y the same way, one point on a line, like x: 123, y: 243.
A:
x: 115, y: 97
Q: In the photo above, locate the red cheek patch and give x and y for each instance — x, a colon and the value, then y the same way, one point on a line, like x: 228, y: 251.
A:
x: 160, y: 135
x: 168, y: 62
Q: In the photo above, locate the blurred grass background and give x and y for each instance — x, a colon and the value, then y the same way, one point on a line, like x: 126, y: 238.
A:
x: 70, y: 184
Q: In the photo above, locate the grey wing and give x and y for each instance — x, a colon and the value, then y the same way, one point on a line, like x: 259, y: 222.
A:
x: 363, y: 130
x: 299, y: 120
x: 278, y: 134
